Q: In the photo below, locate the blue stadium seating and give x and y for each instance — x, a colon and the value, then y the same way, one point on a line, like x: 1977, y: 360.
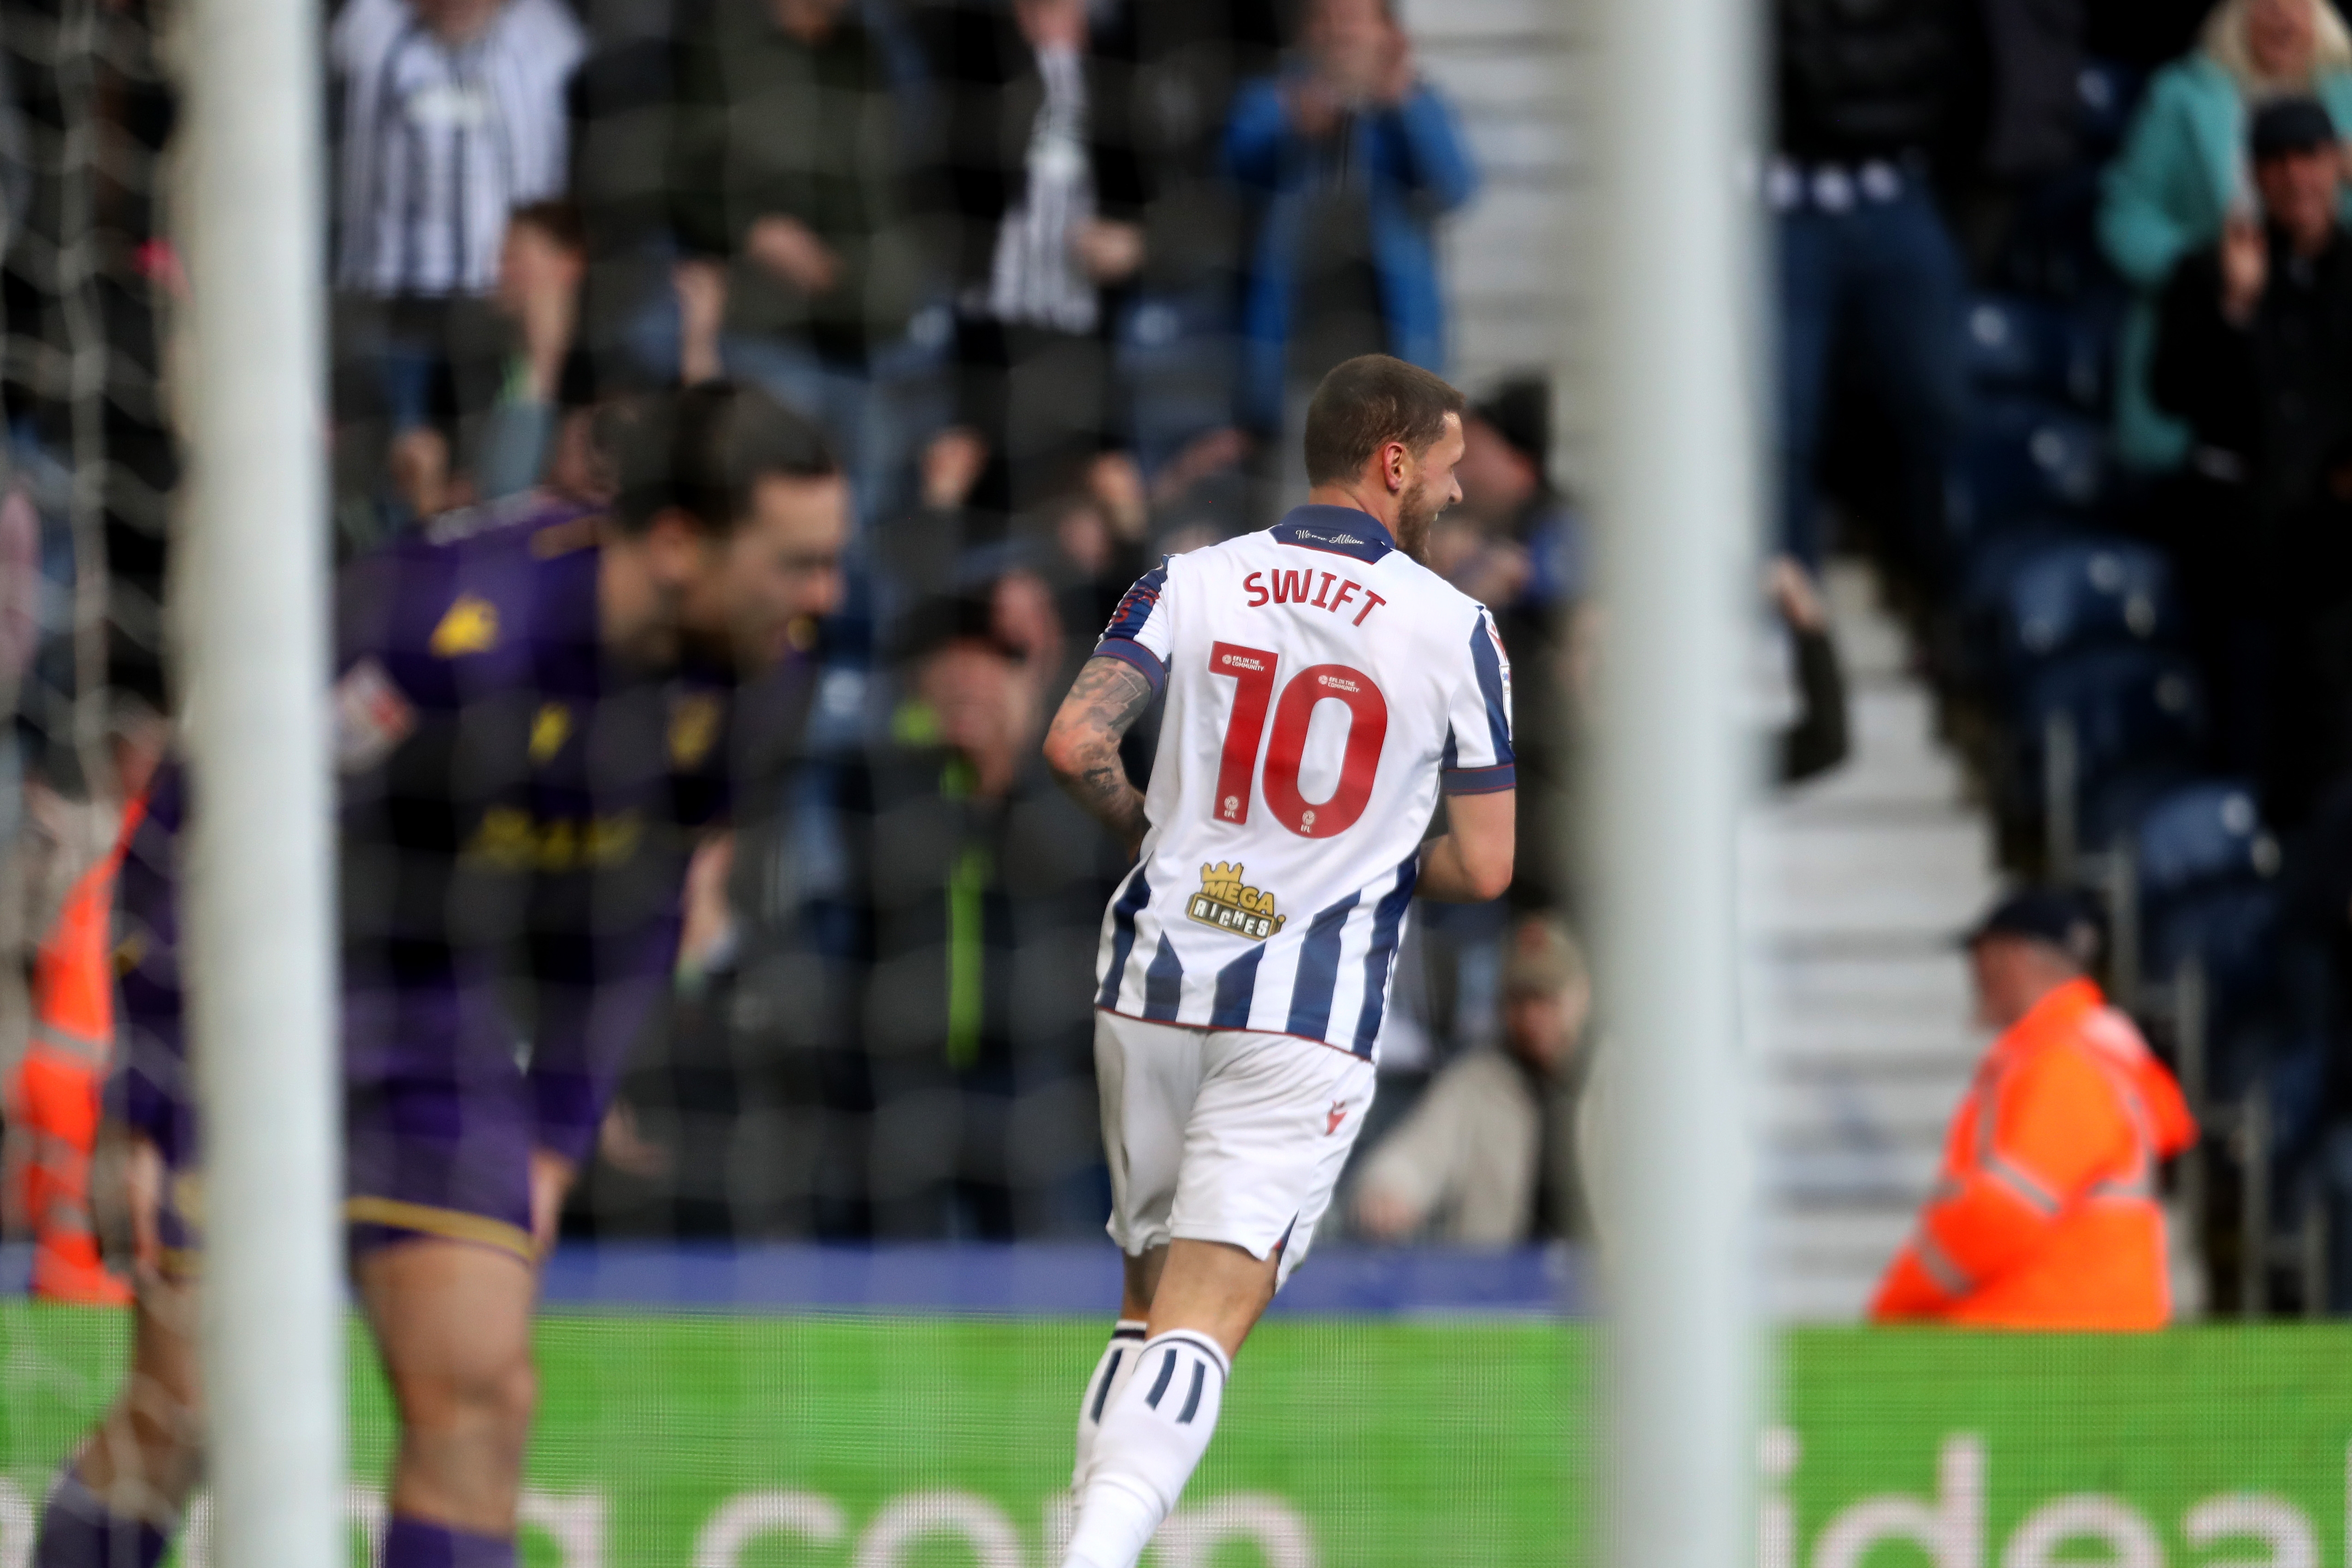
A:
x: 2231, y: 928
x: 2068, y: 594
x: 2105, y: 93
x: 2207, y: 832
x: 2022, y: 458
x: 2012, y: 344
x: 2133, y: 709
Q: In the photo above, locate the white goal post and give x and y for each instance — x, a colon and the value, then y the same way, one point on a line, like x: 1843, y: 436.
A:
x: 259, y: 919
x: 1677, y: 264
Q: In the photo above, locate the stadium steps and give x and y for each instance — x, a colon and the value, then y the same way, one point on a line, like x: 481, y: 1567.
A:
x: 1854, y: 886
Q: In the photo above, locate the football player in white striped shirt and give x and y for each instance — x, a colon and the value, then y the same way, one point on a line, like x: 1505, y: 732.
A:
x: 1324, y: 688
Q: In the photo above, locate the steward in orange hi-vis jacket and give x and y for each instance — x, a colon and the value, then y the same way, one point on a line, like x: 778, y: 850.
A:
x: 53, y: 1101
x: 2045, y: 1213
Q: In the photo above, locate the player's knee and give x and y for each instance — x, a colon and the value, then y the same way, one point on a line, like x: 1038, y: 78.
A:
x: 488, y: 1396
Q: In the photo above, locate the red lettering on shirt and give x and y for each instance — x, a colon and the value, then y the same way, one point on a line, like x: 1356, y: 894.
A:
x: 1328, y: 578
x: 1255, y: 585
x: 1290, y: 587
x: 1372, y: 601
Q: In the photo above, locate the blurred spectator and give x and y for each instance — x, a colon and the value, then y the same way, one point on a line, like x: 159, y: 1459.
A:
x: 984, y: 887
x: 1045, y: 193
x: 1518, y: 546
x: 1352, y: 157
x: 1488, y: 1157
x: 540, y: 267
x: 2302, y: 1075
x: 786, y: 171
x: 1095, y: 546
x: 2254, y: 355
x: 20, y: 630
x: 1817, y: 739
x: 1868, y: 268
x: 1175, y: 329
x: 453, y: 115
x: 2046, y: 1212
x: 2182, y: 173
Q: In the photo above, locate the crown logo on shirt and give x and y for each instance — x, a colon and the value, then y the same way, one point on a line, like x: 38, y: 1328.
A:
x: 1227, y: 902
x: 471, y: 625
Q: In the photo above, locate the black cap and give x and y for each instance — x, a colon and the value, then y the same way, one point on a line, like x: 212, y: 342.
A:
x: 1520, y: 411
x: 2290, y: 125
x: 2065, y: 920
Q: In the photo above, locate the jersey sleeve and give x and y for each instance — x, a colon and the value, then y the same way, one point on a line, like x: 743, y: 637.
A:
x: 1479, y: 755
x: 1140, y: 633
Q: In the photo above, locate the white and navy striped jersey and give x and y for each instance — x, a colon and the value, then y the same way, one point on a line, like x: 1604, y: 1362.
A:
x: 441, y: 141
x: 1322, y: 687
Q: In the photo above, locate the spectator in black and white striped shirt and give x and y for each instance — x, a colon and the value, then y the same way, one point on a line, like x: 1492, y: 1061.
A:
x: 453, y: 115
x: 1045, y: 193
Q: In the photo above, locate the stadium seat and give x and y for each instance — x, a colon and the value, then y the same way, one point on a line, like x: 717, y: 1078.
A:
x: 2024, y: 457
x: 2231, y: 929
x: 2012, y: 344
x: 2202, y: 833
x: 2067, y: 595
x: 2105, y: 94
x: 2132, y: 711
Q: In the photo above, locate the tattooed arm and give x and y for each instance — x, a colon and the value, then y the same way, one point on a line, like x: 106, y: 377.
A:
x: 1082, y: 747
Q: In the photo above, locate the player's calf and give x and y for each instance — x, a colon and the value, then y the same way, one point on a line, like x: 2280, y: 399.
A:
x: 118, y: 1503
x: 1153, y: 1437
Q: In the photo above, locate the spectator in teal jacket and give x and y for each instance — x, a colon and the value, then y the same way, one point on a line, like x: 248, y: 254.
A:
x: 1353, y: 156
x: 2182, y: 171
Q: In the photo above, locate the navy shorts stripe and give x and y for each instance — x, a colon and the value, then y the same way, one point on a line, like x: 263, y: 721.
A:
x: 1318, y: 970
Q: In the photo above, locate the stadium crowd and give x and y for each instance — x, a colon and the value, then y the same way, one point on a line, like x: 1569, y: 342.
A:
x: 2062, y: 322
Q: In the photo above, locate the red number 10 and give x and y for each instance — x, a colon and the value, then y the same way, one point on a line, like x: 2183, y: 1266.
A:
x: 1252, y: 670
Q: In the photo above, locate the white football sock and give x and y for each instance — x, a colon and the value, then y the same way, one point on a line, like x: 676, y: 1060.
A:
x: 1154, y: 1433
x: 1112, y: 1372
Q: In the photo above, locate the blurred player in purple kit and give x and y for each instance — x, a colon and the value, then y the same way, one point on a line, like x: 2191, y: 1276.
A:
x: 532, y: 712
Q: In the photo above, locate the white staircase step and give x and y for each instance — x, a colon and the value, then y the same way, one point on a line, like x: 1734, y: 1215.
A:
x: 1853, y: 888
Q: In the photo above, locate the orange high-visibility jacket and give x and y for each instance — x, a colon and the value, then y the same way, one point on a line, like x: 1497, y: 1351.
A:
x: 2046, y: 1215
x: 53, y: 1104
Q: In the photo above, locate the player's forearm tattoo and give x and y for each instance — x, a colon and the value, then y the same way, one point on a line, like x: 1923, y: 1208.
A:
x: 1107, y: 697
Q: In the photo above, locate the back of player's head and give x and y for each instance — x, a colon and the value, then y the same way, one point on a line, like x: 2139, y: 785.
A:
x: 703, y: 451
x: 1365, y: 404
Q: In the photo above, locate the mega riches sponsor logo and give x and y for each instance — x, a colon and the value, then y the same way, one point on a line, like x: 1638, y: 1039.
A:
x: 1227, y: 902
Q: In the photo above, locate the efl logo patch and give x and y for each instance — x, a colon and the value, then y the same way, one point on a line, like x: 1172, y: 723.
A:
x: 372, y: 717
x: 1225, y: 902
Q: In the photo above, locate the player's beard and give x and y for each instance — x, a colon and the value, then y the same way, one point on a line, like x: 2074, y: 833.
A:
x: 1416, y: 514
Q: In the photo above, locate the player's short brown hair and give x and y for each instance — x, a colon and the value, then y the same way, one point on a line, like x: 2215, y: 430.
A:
x: 705, y: 450
x: 1365, y: 404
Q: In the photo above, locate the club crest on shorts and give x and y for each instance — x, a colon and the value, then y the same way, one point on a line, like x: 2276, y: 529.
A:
x: 1228, y: 903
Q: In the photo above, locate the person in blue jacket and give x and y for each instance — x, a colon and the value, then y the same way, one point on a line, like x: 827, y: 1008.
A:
x: 2182, y: 173
x: 1354, y: 157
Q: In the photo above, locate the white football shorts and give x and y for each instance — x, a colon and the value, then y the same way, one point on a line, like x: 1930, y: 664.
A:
x: 1224, y: 1134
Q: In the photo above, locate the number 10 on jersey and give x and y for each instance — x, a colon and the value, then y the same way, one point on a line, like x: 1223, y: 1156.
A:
x: 1253, y: 670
